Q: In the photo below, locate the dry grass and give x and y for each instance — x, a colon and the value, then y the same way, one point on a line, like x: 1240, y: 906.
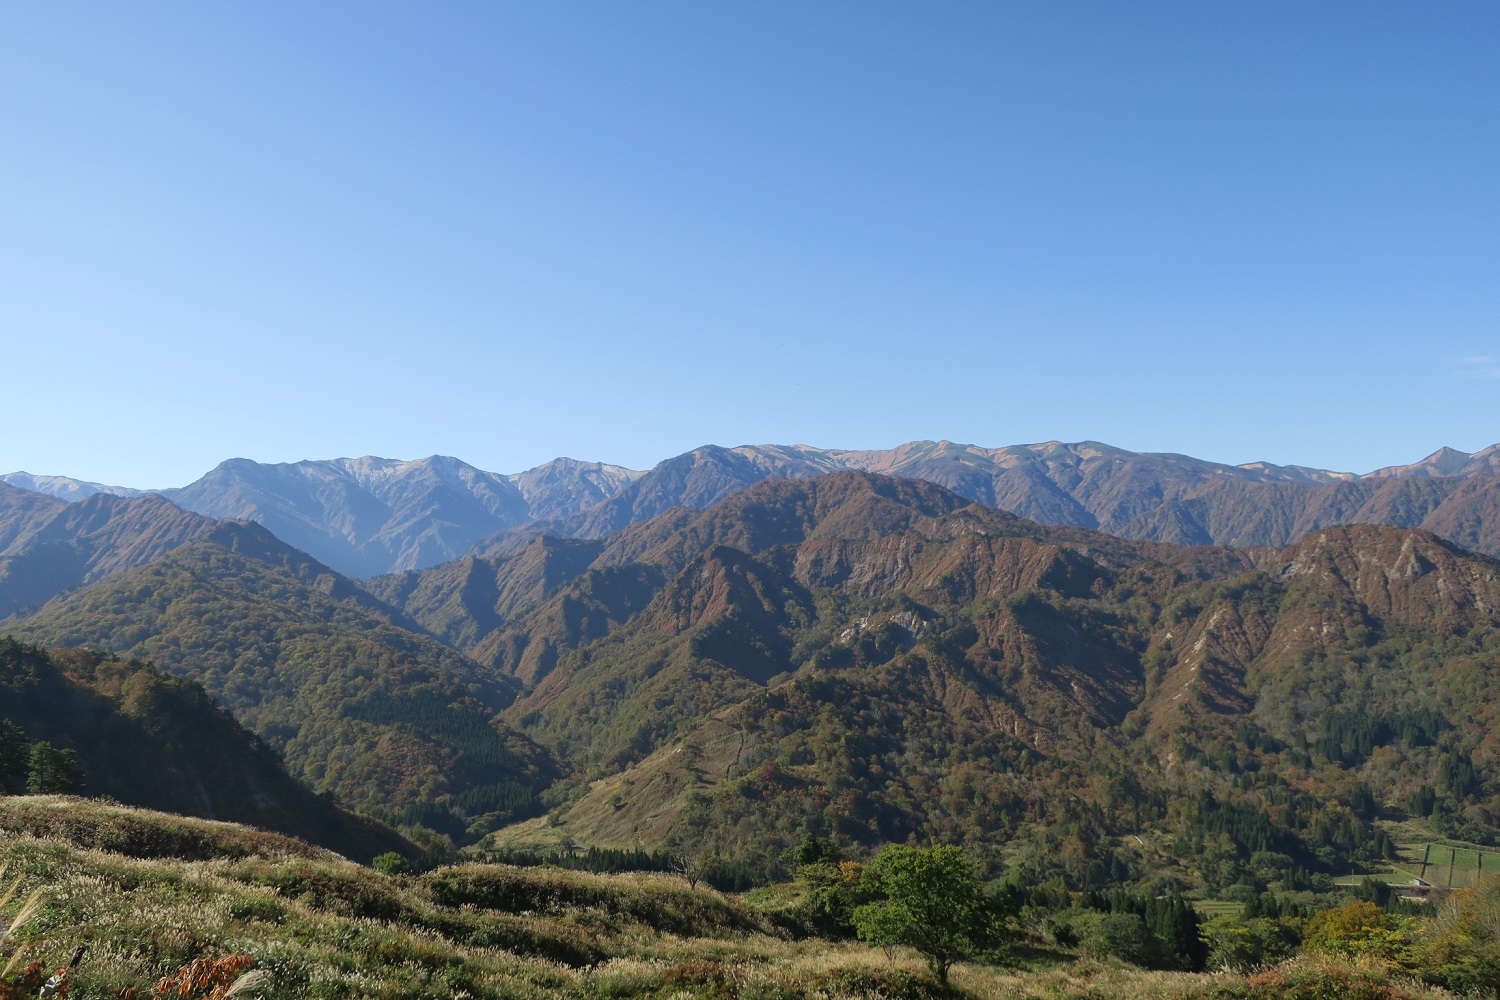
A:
x: 317, y: 926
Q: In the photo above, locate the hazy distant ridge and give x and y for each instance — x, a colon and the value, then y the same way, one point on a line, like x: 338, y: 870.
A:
x: 65, y: 487
x: 370, y: 516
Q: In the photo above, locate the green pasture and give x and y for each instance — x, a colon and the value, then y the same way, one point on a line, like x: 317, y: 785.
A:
x: 1452, y: 866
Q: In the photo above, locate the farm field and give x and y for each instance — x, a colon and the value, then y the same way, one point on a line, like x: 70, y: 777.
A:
x: 1456, y: 867
x: 1444, y: 863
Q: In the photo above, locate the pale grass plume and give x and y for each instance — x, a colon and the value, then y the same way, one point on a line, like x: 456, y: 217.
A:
x: 26, y: 912
x: 252, y: 980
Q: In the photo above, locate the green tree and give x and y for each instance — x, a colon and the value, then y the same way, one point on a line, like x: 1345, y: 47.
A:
x: 1461, y: 948
x: 13, y: 757
x: 831, y: 891
x: 1357, y: 928
x: 1117, y: 935
x: 391, y: 863
x: 52, y: 771
x: 933, y: 901
x: 1246, y: 943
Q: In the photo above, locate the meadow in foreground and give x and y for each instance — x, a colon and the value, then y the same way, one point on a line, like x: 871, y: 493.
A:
x: 150, y: 893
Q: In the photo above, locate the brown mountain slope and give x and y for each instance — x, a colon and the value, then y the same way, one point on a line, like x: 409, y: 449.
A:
x: 874, y: 658
x: 576, y: 589
x: 751, y: 587
x: 21, y: 510
x: 463, y: 601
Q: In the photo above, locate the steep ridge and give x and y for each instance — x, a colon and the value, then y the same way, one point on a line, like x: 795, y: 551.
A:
x: 606, y: 580
x: 1181, y: 500
x: 363, y: 516
x: 58, y: 547
x: 740, y: 583
x: 150, y: 740
x: 369, y: 516
x: 22, y: 510
x: 697, y: 479
x: 1447, y: 462
x: 384, y: 717
x: 463, y: 601
x: 566, y: 486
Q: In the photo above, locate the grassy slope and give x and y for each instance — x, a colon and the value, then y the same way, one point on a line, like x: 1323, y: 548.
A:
x: 149, y: 892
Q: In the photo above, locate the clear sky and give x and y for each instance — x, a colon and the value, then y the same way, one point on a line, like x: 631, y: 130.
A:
x: 616, y: 231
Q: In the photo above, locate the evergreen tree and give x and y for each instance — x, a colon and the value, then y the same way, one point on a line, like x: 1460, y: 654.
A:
x: 53, y: 771
x: 14, y: 757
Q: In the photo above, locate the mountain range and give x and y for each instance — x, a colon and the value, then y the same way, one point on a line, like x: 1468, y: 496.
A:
x: 370, y: 516
x: 854, y: 654
x: 742, y: 646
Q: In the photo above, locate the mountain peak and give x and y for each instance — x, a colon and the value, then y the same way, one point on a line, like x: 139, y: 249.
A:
x: 1443, y: 462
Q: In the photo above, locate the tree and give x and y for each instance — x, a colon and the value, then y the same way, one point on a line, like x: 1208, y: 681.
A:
x: 1246, y: 943
x: 831, y: 889
x: 688, y: 866
x: 1357, y: 928
x: 1117, y: 935
x: 52, y: 771
x: 13, y: 757
x: 1461, y: 950
x: 933, y: 901
x: 391, y: 863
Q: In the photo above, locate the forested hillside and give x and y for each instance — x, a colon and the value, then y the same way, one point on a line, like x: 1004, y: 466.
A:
x: 72, y: 721
x: 48, y: 547
x: 385, y: 718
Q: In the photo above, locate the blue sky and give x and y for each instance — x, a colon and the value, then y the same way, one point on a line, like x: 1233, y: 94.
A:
x: 616, y: 231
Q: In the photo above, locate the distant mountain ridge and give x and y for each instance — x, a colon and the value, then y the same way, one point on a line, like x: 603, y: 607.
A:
x: 1152, y: 497
x: 371, y: 516
x: 365, y: 516
x: 65, y: 487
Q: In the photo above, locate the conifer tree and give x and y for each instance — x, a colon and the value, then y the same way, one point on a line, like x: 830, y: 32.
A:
x: 52, y: 771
